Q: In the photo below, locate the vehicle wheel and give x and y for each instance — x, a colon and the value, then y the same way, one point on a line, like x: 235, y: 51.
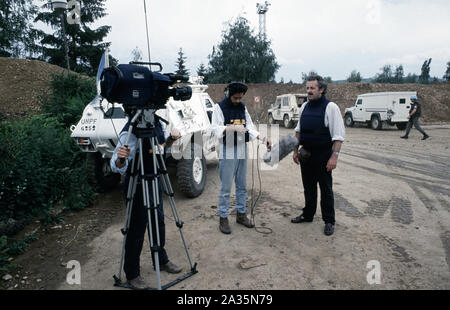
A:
x: 401, y: 126
x: 99, y: 172
x: 287, y: 122
x: 375, y: 123
x: 191, y: 175
x: 271, y: 120
x: 348, y: 120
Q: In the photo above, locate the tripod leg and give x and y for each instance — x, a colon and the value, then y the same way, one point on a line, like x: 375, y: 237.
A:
x: 130, y: 195
x: 169, y: 190
x: 154, y: 246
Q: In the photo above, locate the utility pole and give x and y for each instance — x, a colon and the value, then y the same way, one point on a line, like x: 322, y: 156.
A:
x: 61, y: 7
x: 262, y: 9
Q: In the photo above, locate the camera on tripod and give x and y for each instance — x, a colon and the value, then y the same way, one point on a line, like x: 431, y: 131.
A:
x: 135, y: 86
x: 142, y: 92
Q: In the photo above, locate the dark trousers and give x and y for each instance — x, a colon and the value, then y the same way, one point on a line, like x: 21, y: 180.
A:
x: 414, y: 121
x: 136, y: 232
x: 314, y: 171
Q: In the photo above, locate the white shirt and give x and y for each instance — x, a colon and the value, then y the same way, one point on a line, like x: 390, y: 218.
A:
x: 218, y: 129
x: 132, y: 145
x: 333, y: 121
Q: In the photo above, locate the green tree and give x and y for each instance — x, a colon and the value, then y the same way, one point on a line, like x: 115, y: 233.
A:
x: 181, y: 63
x: 411, y: 78
x: 355, y: 77
x: 85, y: 43
x: 17, y: 35
x: 306, y: 75
x: 447, y: 73
x: 201, y: 70
x: 399, y: 74
x: 242, y: 56
x: 424, y: 77
x: 385, y: 76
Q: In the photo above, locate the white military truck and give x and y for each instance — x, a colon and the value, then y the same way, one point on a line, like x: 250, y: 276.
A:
x: 285, y: 109
x: 375, y: 109
x: 97, y: 133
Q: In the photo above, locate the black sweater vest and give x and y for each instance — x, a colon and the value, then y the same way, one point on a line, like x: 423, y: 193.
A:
x: 313, y: 133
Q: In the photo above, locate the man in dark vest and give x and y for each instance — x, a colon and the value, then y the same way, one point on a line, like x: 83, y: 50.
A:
x: 320, y: 131
x: 233, y: 126
x: 139, y: 215
x: 414, y: 113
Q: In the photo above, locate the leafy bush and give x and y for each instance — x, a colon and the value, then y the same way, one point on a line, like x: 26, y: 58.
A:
x: 69, y: 95
x: 13, y: 249
x: 19, y: 247
x: 44, y: 166
x: 41, y: 165
x: 4, y: 257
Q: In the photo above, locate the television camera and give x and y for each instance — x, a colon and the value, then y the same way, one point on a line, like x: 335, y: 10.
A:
x: 135, y: 86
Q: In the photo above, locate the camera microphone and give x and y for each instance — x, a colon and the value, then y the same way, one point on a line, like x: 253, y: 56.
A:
x: 177, y: 77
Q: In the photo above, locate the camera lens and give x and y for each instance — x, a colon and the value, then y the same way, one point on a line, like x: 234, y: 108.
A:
x: 181, y: 93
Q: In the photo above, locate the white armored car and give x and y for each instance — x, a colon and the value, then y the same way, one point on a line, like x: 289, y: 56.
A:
x: 375, y: 109
x: 98, y: 130
x: 286, y: 108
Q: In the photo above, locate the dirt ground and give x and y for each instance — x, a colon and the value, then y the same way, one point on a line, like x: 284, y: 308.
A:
x: 392, y: 200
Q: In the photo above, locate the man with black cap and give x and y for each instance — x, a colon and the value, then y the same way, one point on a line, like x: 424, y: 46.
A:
x: 233, y: 126
x: 320, y: 130
x: 414, y: 113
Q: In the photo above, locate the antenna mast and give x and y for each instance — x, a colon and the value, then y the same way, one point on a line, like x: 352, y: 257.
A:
x: 146, y: 28
x: 262, y: 9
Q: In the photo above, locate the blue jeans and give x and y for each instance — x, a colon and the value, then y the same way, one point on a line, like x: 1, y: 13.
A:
x: 232, y: 169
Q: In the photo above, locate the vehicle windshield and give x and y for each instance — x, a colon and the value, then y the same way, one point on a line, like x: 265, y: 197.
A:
x: 300, y: 100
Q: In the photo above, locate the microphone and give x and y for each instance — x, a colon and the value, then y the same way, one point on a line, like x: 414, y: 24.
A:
x: 280, y: 150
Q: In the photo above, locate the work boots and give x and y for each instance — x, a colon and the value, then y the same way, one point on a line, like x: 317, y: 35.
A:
x: 224, y: 226
x: 241, y: 218
x: 138, y: 283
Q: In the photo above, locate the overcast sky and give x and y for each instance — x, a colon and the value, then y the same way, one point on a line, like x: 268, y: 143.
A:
x: 330, y: 37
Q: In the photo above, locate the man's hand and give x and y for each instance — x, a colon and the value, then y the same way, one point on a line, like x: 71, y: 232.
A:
x: 240, y: 128
x: 175, y: 134
x: 269, y: 144
x: 265, y: 141
x: 230, y: 128
x: 332, y: 163
x: 236, y: 128
x: 123, y: 152
x: 295, y: 156
x: 122, y: 155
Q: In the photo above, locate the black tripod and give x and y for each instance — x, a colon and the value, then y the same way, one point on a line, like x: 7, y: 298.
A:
x: 144, y: 123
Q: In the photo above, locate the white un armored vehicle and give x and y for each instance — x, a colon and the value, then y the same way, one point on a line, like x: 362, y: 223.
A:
x: 375, y: 109
x: 97, y: 133
x: 286, y: 108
